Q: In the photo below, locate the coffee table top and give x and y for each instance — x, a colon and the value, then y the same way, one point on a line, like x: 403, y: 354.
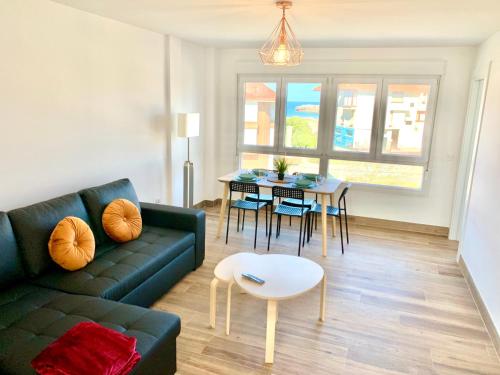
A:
x: 286, y: 276
x: 224, y: 269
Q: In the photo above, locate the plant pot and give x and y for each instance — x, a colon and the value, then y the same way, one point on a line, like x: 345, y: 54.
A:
x: 281, y: 176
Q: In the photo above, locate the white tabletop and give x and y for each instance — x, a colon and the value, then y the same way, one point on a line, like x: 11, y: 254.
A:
x: 286, y: 276
x: 224, y: 269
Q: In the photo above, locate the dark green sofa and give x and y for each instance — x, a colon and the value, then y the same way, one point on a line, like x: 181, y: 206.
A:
x: 39, y: 301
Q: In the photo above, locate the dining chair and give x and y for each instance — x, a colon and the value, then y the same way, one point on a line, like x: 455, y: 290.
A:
x: 241, y: 204
x: 293, y: 211
x: 266, y: 198
x: 336, y: 212
x: 309, y: 203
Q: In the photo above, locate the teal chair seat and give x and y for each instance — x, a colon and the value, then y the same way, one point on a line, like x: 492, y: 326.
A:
x: 283, y: 209
x: 246, y: 205
x: 330, y: 211
x: 298, y: 202
x: 267, y: 198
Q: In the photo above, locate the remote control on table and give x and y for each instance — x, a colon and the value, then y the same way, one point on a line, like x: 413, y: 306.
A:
x: 253, y: 278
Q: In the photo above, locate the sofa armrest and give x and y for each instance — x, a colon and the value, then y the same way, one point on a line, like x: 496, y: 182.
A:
x: 186, y: 219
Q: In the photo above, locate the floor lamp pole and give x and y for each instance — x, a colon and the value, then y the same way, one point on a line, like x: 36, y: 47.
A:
x: 188, y: 181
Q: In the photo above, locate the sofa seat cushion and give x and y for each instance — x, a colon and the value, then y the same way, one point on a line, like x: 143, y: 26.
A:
x: 32, y: 317
x: 119, y: 269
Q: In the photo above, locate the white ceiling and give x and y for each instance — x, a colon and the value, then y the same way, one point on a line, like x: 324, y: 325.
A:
x: 317, y: 23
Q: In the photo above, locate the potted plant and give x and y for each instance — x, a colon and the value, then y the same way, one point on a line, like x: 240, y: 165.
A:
x: 281, y: 166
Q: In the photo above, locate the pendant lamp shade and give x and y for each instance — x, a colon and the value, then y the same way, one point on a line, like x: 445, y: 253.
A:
x: 282, y: 47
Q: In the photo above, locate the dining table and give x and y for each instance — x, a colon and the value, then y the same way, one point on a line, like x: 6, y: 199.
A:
x: 325, y: 190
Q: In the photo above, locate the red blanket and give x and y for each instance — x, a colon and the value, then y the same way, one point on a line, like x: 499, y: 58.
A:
x: 88, y: 348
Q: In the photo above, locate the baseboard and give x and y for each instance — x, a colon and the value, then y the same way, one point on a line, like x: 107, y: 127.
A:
x: 400, y: 225
x: 488, y: 322
x: 207, y: 203
x: 371, y: 222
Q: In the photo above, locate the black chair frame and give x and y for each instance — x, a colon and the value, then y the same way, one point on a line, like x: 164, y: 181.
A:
x: 286, y: 192
x: 341, y: 204
x: 249, y: 188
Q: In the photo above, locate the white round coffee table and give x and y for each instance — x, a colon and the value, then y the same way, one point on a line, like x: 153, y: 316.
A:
x: 286, y: 277
x: 223, y: 272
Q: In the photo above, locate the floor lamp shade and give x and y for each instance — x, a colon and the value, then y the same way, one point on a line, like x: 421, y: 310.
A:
x: 188, y: 126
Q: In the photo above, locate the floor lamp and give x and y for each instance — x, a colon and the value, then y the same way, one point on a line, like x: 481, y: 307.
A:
x: 188, y: 126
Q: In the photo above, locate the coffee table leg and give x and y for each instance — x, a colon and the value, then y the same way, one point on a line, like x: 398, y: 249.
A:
x: 322, y: 303
x: 213, y: 301
x: 228, y: 307
x: 222, y: 209
x: 272, y: 307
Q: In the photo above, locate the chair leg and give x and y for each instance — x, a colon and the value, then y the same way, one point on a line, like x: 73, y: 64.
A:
x: 290, y: 221
x: 228, y: 217
x: 309, y: 224
x: 300, y: 233
x: 315, y: 221
x: 278, y: 226
x: 346, y: 227
x: 306, y: 229
x: 270, y: 230
x: 266, y: 220
x: 256, y: 225
x: 238, y: 226
x: 243, y: 224
x: 341, y: 232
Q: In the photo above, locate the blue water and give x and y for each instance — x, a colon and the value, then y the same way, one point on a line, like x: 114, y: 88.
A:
x: 290, y: 110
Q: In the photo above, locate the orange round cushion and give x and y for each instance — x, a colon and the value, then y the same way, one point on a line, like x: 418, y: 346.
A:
x: 72, y: 244
x: 122, y: 221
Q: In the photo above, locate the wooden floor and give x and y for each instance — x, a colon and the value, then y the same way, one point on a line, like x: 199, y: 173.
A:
x: 396, y: 304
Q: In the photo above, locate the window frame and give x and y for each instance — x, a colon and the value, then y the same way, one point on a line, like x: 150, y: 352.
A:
x: 352, y: 155
x: 241, y: 114
x: 327, y: 120
x: 297, y: 151
x: 423, y: 159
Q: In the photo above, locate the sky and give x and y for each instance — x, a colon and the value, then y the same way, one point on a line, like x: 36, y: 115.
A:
x: 300, y: 92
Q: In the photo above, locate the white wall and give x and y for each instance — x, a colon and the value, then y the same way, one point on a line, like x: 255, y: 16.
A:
x: 190, y: 88
x: 480, y: 245
x: 81, y: 103
x: 433, y: 205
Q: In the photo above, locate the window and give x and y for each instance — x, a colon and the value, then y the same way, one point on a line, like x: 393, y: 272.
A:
x: 397, y: 175
x: 369, y: 130
x: 354, y: 116
x: 265, y: 161
x: 302, y: 115
x: 259, y: 113
x: 405, y: 118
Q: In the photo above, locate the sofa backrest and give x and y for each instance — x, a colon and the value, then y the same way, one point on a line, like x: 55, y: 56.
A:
x: 34, y: 224
x: 97, y: 198
x: 11, y: 268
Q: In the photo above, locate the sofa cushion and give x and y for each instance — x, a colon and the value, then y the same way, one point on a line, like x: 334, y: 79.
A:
x: 32, y: 317
x: 11, y: 269
x: 121, y: 220
x: 34, y: 224
x: 72, y: 244
x: 123, y: 267
x: 97, y: 198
